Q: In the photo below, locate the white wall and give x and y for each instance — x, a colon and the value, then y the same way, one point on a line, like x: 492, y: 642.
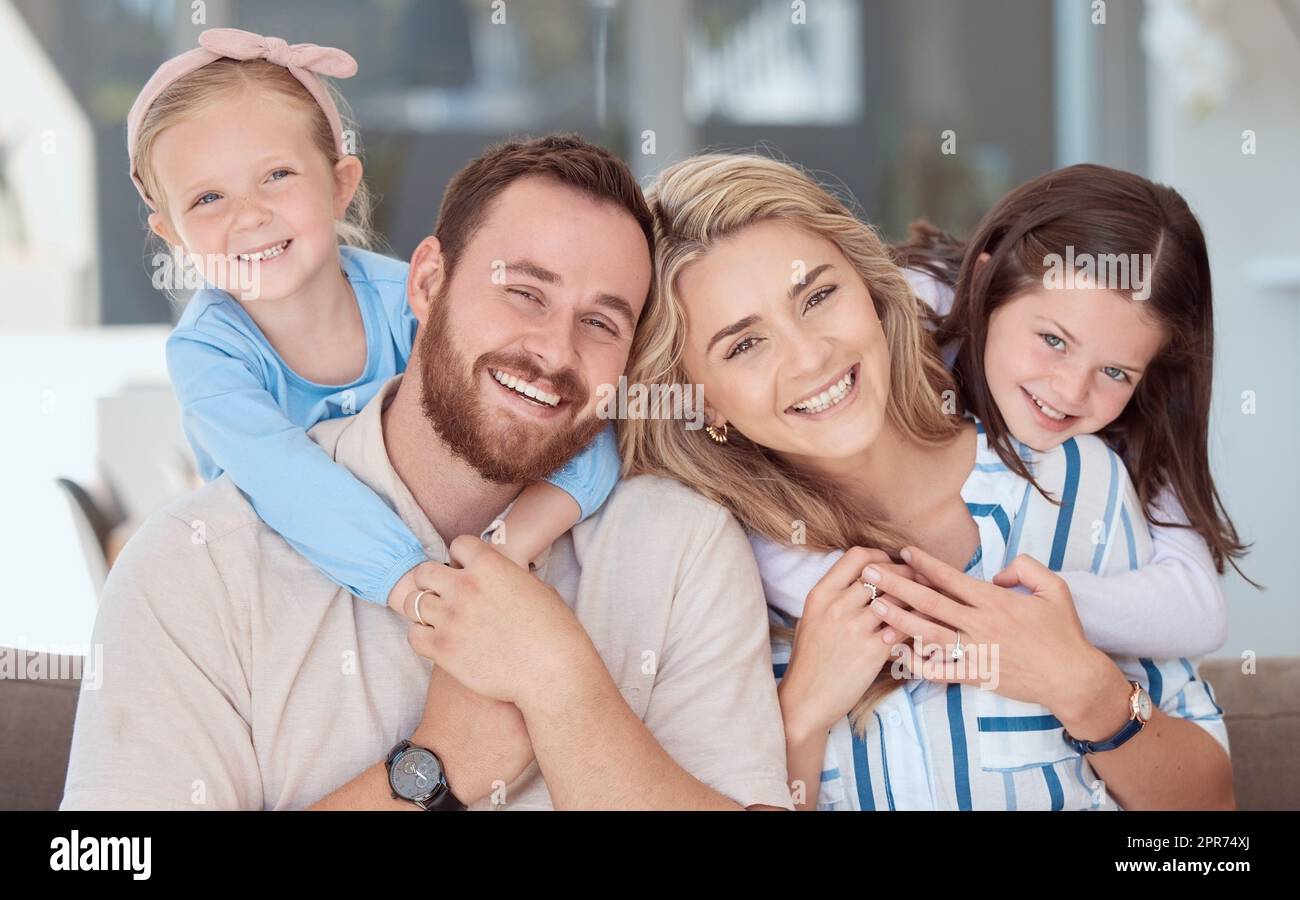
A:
x: 47, y: 256
x: 51, y: 384
x: 1249, y: 207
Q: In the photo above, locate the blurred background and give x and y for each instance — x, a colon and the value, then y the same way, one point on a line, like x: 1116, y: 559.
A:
x: 1198, y: 94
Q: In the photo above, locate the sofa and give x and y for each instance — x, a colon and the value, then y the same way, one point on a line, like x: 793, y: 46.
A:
x: 1262, y: 711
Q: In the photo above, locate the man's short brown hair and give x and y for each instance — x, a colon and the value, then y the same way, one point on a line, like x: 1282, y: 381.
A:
x: 566, y: 158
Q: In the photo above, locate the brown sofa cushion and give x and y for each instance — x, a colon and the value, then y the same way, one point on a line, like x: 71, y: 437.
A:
x: 1262, y: 712
x: 1263, y: 715
x: 36, y: 717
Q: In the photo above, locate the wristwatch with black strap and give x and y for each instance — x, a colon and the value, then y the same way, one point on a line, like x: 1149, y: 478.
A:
x: 1139, y: 705
x: 416, y: 774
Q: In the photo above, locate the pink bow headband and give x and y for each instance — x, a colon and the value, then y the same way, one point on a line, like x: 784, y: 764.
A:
x: 304, y: 61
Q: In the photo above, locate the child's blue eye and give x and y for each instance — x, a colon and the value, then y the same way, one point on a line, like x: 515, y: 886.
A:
x: 280, y: 172
x: 1052, y: 341
x: 203, y: 201
x: 1116, y: 374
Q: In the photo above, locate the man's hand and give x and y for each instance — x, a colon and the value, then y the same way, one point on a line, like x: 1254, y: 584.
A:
x: 481, y: 742
x: 495, y: 628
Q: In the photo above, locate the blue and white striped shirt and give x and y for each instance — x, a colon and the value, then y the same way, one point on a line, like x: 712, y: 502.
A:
x: 949, y: 746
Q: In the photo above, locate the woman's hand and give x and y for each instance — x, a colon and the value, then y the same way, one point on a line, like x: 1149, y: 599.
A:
x: 839, y: 646
x: 1025, y: 644
x: 1043, y: 657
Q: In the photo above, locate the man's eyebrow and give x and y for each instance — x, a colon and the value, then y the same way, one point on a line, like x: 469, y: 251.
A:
x: 545, y: 275
x: 620, y: 306
x: 533, y: 270
x: 733, y: 328
x: 810, y: 278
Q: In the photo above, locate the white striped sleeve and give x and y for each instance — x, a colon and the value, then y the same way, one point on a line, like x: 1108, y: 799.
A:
x: 1179, y: 691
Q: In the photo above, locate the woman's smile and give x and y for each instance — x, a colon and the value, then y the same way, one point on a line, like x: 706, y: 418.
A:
x: 830, y: 398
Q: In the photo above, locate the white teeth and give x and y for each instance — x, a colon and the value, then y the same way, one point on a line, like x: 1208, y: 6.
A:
x: 523, y: 387
x: 1049, y: 411
x: 827, y: 398
x: 268, y: 253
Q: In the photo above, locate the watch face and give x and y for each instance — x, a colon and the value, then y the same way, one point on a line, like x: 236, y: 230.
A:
x: 1144, y: 706
x: 415, y: 773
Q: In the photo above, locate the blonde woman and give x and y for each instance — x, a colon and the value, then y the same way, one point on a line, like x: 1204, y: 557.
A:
x: 831, y: 426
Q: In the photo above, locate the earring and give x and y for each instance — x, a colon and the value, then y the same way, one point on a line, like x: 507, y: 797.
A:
x: 713, y: 433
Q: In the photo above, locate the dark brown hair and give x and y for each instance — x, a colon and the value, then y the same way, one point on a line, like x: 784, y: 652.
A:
x: 1163, y: 433
x: 566, y: 158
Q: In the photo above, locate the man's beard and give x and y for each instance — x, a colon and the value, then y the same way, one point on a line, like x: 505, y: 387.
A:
x: 503, y: 453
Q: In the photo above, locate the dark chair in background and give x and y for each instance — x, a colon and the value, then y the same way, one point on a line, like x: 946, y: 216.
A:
x: 95, y: 518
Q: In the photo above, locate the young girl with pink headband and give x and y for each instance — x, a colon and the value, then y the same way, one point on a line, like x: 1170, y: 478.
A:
x: 240, y: 151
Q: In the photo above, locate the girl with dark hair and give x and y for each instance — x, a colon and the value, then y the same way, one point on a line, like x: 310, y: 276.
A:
x: 1082, y: 305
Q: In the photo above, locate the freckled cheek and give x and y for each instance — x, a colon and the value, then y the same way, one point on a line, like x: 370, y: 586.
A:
x: 204, y: 235
x: 308, y: 213
x: 211, y: 241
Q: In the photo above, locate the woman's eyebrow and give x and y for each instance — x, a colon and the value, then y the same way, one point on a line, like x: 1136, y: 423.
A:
x: 810, y: 278
x: 733, y: 328
x: 754, y: 319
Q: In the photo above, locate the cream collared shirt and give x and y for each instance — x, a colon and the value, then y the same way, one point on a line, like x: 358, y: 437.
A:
x: 237, y: 676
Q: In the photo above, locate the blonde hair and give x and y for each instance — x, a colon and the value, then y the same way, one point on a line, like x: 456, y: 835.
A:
x: 697, y: 203
x: 195, y: 91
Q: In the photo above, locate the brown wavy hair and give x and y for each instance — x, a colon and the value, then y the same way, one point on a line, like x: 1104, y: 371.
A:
x: 566, y: 158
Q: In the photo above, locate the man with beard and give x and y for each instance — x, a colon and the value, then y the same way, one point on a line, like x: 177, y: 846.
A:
x: 632, y: 670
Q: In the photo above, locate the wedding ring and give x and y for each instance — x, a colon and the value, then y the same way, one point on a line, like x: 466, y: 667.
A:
x: 958, y: 651
x: 418, y: 597
x: 875, y: 592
